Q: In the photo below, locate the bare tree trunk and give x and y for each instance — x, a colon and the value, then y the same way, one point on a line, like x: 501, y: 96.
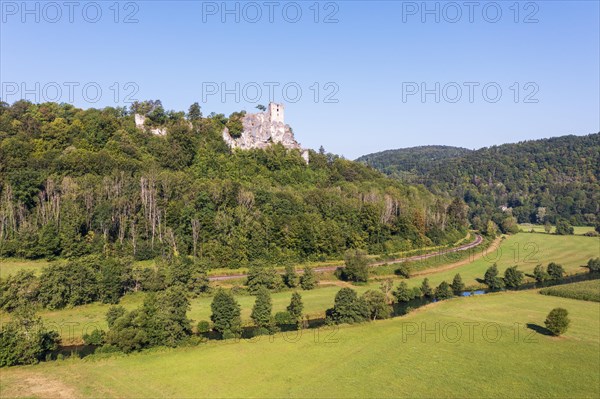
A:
x: 133, y: 232
x: 195, y: 234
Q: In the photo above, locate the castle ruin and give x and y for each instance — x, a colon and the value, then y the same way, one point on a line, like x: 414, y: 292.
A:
x: 262, y: 129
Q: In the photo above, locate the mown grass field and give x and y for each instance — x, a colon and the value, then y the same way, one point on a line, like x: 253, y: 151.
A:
x: 585, y: 290
x: 526, y: 250
x: 500, y: 357
x: 578, y: 230
x: 523, y: 249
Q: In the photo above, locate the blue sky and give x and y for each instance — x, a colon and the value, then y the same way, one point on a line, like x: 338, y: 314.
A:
x: 361, y: 67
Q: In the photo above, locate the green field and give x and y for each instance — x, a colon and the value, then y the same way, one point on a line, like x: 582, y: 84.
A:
x: 525, y: 250
x: 585, y: 290
x: 578, y: 230
x: 382, y: 359
x: 12, y: 266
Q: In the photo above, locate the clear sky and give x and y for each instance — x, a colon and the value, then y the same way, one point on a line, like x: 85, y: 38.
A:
x: 373, y: 75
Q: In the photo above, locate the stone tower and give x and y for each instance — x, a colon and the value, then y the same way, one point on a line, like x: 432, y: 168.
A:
x: 276, y: 112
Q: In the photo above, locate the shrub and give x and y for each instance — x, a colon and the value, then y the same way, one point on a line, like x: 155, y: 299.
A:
x: 513, y: 277
x: 95, y: 338
x: 284, y: 319
x: 356, y: 266
x: 17, y: 290
x: 416, y: 292
x: 347, y: 308
x: 113, y: 313
x: 563, y: 227
x: 203, y: 327
x: 594, y: 265
x: 73, y: 283
x: 540, y: 274
x: 443, y: 291
x: 377, y: 304
x: 557, y: 321
x: 403, y: 271
x: 263, y: 277
x: 555, y: 271
x: 25, y: 339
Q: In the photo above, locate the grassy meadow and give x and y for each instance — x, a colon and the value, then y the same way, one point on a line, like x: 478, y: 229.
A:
x: 577, y: 230
x: 501, y: 356
x: 12, y: 266
x: 523, y: 249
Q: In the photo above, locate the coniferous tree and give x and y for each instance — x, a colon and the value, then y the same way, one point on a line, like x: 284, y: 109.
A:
x: 194, y: 113
x: 295, y: 309
x: 491, y: 278
x: 308, y: 280
x: 457, y: 284
x: 226, y: 314
x: 403, y: 293
x: 426, y: 289
x: 290, y: 277
x: 261, y: 311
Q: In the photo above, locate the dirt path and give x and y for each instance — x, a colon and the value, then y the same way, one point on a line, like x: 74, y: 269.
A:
x: 39, y: 386
x: 495, y: 244
x: 478, y: 240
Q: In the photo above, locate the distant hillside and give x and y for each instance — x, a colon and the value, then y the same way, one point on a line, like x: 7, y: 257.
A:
x: 415, y: 160
x: 539, y: 179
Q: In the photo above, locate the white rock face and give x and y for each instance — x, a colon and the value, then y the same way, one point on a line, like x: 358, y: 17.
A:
x: 139, y: 123
x: 260, y: 131
x: 161, y: 131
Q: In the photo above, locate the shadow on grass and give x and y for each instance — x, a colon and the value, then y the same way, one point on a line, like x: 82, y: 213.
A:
x: 539, y: 329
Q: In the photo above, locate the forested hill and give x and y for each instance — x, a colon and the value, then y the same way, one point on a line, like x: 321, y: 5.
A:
x: 414, y: 160
x: 539, y: 179
x: 75, y: 182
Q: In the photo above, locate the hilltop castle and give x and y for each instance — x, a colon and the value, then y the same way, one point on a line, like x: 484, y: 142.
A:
x: 264, y: 128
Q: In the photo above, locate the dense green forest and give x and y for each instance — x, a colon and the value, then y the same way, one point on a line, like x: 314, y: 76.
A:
x: 76, y: 182
x: 411, y: 163
x: 536, y: 181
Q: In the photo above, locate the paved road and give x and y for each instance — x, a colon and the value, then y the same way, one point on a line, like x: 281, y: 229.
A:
x: 478, y: 240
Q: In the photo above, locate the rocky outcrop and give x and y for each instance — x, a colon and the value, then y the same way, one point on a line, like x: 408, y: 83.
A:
x: 140, y: 124
x: 260, y: 131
